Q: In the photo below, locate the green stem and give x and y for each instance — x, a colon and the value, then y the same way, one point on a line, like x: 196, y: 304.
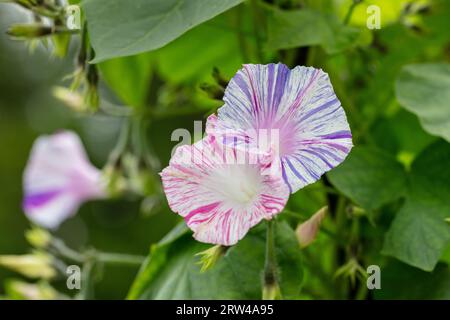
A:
x: 122, y: 142
x: 94, y: 255
x: 340, y: 218
x: 271, y: 289
x: 258, y: 24
x: 349, y: 14
x: 240, y: 35
x: 87, y: 287
x: 317, y: 269
x: 119, y: 258
x: 67, y: 252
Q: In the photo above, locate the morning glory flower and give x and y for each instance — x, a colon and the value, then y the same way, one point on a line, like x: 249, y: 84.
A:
x: 58, y: 178
x: 222, y: 191
x: 300, y: 106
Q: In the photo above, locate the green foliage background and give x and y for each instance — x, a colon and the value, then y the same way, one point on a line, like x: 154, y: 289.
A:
x: 394, y: 84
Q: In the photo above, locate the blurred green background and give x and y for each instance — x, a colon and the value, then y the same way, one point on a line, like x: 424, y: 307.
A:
x: 28, y: 109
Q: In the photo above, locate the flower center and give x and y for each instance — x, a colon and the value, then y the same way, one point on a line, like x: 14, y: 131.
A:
x: 236, y: 184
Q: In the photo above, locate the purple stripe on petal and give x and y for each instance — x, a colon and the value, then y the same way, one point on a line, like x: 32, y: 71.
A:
x: 318, y: 109
x: 282, y: 75
x: 39, y: 199
x: 270, y: 75
x: 319, y: 156
x: 299, y: 98
x: 254, y: 94
x: 328, y: 153
x: 338, y: 135
x: 295, y: 171
x: 306, y: 167
x: 283, y: 170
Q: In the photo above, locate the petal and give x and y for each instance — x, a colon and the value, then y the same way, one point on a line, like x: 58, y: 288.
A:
x: 51, y: 211
x: 58, y: 178
x: 300, y: 106
x: 220, y: 195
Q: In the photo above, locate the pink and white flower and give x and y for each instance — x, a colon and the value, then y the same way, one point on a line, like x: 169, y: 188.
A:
x: 299, y: 105
x: 58, y: 178
x: 289, y: 127
x: 222, y: 191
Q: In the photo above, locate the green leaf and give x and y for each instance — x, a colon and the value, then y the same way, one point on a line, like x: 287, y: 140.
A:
x: 120, y: 28
x: 309, y: 199
x: 419, y: 233
x: 406, y: 137
x: 172, y: 270
x: 400, y: 281
x: 300, y: 28
x: 223, y: 51
x: 424, y: 89
x: 369, y: 177
x: 129, y: 77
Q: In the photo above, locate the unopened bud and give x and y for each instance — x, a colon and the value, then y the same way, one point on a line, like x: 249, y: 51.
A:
x: 21, y: 290
x: 35, y: 265
x: 70, y: 98
x: 24, y: 3
x: 209, y: 257
x: 307, y: 231
x: 213, y: 91
x: 91, y: 98
x: 114, y: 180
x: 38, y: 237
x: 150, y: 205
x: 356, y: 211
x: 33, y: 30
x: 271, y: 291
x: 220, y: 79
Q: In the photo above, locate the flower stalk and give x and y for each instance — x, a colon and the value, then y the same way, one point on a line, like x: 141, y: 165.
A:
x: 271, y: 288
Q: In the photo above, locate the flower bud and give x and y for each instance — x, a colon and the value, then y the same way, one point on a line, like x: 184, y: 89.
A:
x: 32, y: 30
x: 213, y: 91
x: 307, y: 231
x: 70, y: 98
x: 35, y: 265
x: 150, y: 205
x: 219, y: 78
x: 38, y: 237
x: 271, y: 291
x: 356, y: 211
x: 91, y: 96
x: 113, y: 179
x: 209, y: 257
x: 21, y: 290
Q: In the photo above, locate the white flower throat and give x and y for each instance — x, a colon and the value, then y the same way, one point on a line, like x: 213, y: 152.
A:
x: 237, y: 184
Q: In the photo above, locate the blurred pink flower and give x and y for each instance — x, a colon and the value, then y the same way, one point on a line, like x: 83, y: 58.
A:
x: 58, y: 178
x: 222, y: 193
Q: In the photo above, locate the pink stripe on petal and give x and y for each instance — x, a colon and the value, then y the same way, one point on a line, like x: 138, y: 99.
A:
x: 221, y: 201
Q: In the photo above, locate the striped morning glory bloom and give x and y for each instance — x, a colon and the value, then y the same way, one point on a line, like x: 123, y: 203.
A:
x: 312, y: 133
x: 58, y: 178
x: 221, y: 191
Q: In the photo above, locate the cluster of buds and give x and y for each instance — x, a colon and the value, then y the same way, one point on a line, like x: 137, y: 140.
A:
x: 83, y: 94
x: 216, y: 89
x: 46, y: 8
x: 52, y: 21
x: 131, y: 167
x: 49, y: 21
